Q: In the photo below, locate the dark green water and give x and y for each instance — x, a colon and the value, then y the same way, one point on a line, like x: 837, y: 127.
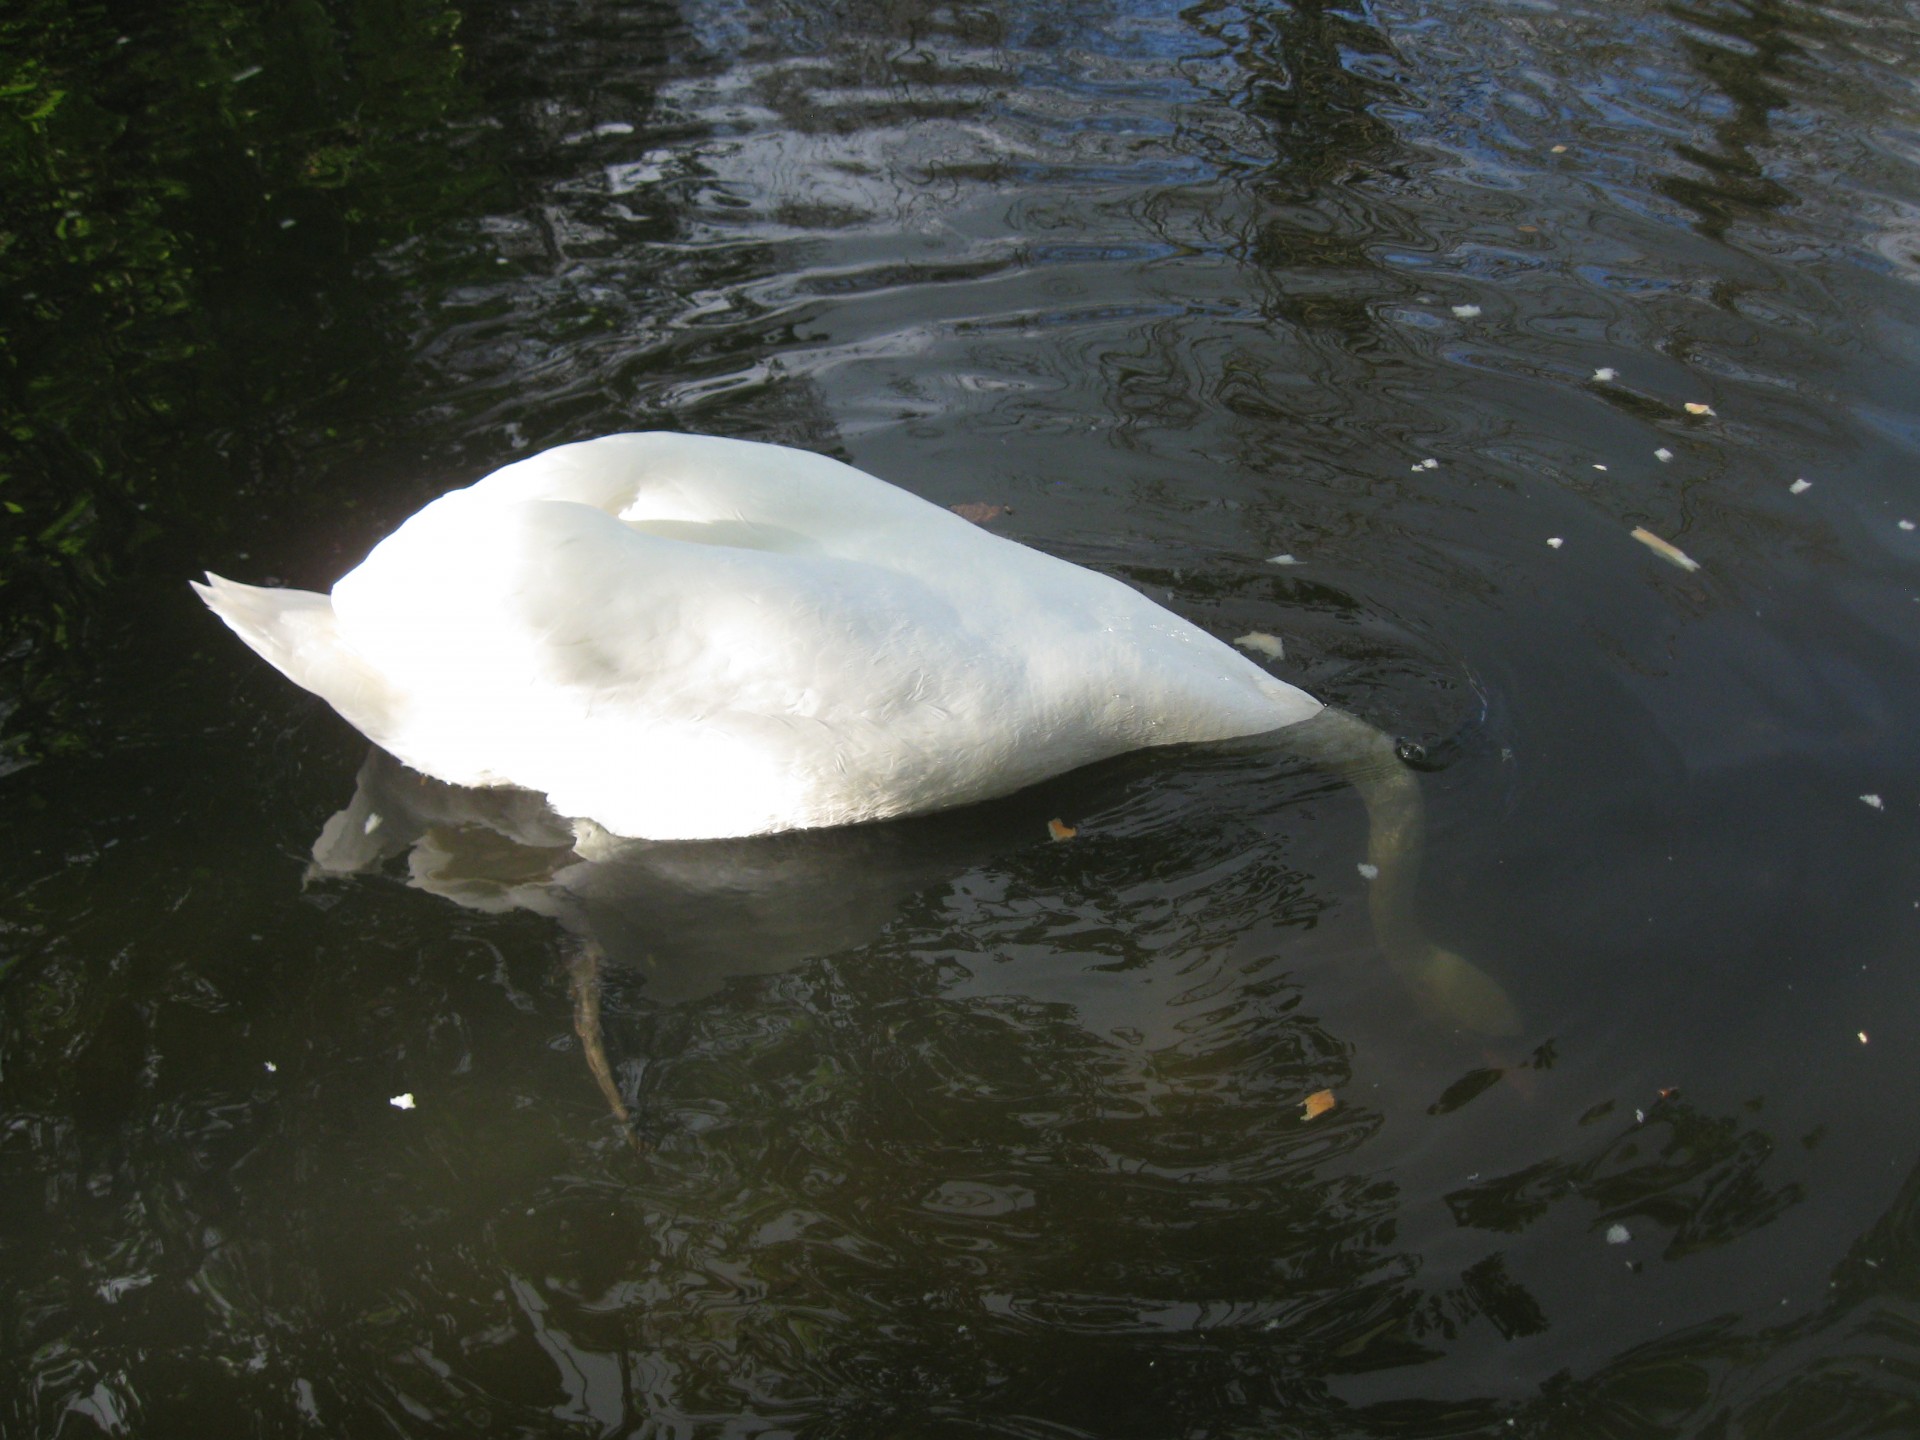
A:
x: 946, y: 1129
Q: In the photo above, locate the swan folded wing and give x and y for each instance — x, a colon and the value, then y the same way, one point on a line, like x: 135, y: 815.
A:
x: 1104, y: 669
x: 668, y: 688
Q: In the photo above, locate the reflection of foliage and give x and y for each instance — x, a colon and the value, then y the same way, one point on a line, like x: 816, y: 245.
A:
x: 1313, y: 75
x: 1697, y: 1175
x: 1475, y: 1083
x: 1503, y: 1300
x: 1748, y: 72
x: 183, y: 209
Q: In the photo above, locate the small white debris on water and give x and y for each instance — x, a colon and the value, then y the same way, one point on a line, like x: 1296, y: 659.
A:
x: 1281, y: 560
x: 1605, y: 373
x: 272, y: 1069
x: 1799, y: 487
x: 1663, y: 455
x: 1875, y: 801
x: 1599, y: 467
x: 288, y: 224
x: 1618, y: 1235
x: 1555, y: 541
x: 246, y: 74
x: 1697, y: 407
x: 402, y: 1102
x: 1427, y: 464
x: 1369, y: 872
x: 1906, y: 524
x: 1466, y: 312
x: 1639, y: 1117
x: 1262, y: 643
x: 1559, y: 150
x: 1863, y: 1037
x: 373, y: 823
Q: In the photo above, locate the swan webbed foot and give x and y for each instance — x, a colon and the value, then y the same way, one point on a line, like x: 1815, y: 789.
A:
x: 583, y: 974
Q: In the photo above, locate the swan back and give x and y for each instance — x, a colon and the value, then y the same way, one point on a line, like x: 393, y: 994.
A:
x: 685, y: 637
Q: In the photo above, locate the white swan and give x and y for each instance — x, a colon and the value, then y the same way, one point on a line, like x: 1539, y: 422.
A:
x: 678, y: 637
x: 682, y: 637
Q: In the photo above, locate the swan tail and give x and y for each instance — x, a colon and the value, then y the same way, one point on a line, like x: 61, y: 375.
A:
x: 295, y: 632
x: 280, y: 626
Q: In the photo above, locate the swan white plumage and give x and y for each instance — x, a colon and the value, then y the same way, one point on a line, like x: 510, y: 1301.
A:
x: 684, y: 637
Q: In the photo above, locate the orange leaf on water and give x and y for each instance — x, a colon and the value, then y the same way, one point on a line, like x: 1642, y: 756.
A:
x: 1318, y: 1103
x: 1060, y: 830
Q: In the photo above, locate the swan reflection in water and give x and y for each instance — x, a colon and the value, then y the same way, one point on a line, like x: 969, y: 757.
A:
x: 689, y: 915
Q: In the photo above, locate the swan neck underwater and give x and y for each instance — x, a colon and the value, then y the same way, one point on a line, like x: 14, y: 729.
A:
x: 682, y: 637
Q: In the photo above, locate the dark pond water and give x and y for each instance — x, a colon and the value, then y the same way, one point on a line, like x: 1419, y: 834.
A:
x: 946, y: 1129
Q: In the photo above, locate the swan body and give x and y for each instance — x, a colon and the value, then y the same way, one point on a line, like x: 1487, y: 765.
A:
x: 683, y: 637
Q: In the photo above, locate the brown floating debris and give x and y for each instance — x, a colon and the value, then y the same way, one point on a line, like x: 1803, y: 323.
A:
x: 1317, y: 1103
x: 980, y: 512
x: 1060, y: 830
x: 1672, y: 554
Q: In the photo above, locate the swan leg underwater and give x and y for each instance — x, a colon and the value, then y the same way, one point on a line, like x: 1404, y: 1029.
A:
x: 680, y: 637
